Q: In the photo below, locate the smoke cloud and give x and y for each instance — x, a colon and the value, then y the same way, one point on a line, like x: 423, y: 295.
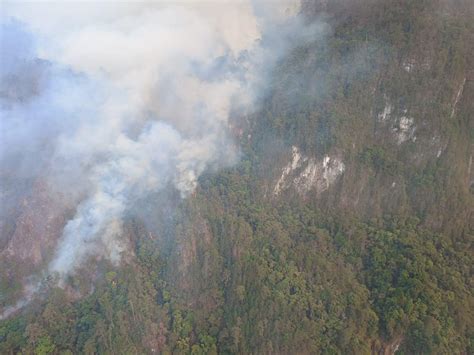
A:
x: 114, y: 101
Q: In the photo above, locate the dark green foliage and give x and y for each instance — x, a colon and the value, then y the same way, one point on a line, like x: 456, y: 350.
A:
x: 377, y: 158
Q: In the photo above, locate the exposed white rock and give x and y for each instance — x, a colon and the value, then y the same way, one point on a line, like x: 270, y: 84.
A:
x: 457, y: 97
x: 385, y: 114
x: 436, y: 145
x: 296, y: 160
x: 405, y: 129
x: 470, y: 175
x: 408, y: 65
x: 305, y: 174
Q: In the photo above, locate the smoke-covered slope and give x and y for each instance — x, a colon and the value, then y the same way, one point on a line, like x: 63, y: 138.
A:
x: 334, y: 216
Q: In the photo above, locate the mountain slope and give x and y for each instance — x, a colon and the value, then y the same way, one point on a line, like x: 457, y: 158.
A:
x: 346, y: 227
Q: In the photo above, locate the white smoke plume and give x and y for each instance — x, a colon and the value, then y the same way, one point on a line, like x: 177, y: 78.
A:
x: 115, y: 100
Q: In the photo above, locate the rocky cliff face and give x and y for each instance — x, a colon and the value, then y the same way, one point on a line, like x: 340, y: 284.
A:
x: 39, y: 225
x: 385, y: 125
x: 308, y: 174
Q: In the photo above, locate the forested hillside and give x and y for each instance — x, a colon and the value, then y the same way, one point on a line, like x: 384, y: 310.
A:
x: 346, y: 226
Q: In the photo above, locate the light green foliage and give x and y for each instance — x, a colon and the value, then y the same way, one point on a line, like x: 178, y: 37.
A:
x: 45, y: 346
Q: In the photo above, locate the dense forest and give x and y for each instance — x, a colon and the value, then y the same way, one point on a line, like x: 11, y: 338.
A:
x: 346, y: 226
